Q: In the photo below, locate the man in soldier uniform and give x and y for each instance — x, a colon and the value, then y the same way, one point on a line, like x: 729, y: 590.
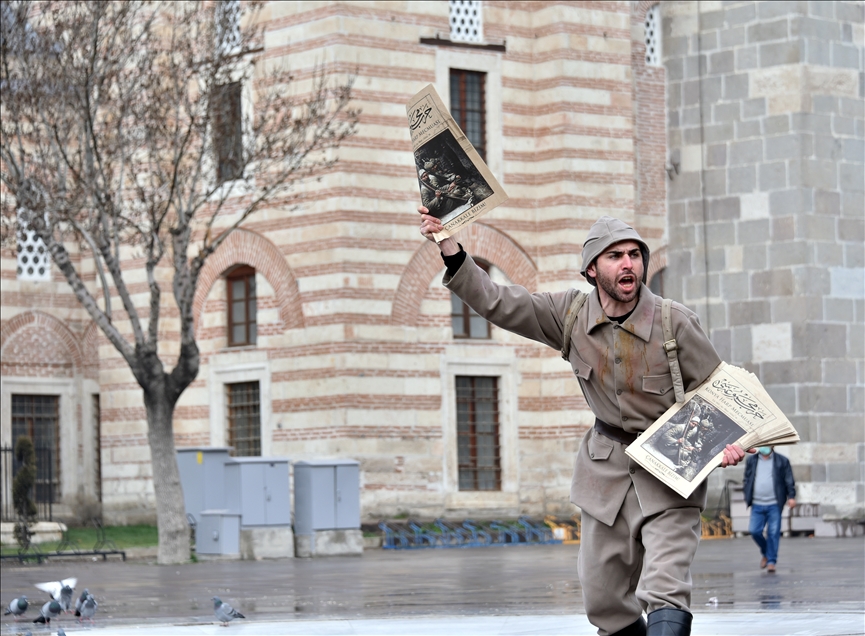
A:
x: 629, y: 517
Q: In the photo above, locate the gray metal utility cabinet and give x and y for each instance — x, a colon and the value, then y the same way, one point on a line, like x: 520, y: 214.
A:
x: 327, y: 507
x: 202, y: 474
x: 218, y: 532
x: 258, y: 488
x: 251, y: 493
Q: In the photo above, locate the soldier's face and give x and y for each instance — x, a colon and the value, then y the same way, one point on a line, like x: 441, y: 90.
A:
x: 619, y: 270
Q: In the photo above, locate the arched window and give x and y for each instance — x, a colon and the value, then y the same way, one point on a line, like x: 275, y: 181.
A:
x: 656, y: 284
x: 242, y: 328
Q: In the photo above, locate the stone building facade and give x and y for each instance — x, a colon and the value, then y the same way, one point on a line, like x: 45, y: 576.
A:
x: 766, y: 220
x: 732, y: 144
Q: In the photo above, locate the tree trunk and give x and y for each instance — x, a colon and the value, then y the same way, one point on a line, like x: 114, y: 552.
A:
x: 170, y: 510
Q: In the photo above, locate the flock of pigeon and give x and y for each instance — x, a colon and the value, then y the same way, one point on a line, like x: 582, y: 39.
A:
x: 61, y: 593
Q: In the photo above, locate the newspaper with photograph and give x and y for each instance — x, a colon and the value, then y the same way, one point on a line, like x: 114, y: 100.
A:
x: 687, y: 442
x: 455, y: 184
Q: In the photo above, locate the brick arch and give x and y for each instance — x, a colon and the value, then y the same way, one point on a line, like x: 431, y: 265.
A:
x: 40, y: 320
x: 251, y: 248
x: 478, y: 240
x: 657, y: 262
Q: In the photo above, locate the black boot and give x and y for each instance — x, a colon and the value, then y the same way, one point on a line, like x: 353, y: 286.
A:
x: 668, y: 621
x: 637, y: 628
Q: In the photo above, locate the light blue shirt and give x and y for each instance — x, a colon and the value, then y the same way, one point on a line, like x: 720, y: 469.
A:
x: 764, y: 482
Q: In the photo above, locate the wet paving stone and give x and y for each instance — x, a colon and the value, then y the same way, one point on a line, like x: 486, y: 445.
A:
x: 813, y: 575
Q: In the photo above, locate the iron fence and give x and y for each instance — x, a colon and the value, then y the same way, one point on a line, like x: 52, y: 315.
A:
x: 43, y: 489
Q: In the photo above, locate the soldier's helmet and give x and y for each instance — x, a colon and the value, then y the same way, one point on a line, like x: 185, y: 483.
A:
x: 707, y: 424
x: 605, y: 232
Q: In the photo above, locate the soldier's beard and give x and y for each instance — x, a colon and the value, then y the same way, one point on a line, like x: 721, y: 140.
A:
x: 610, y: 286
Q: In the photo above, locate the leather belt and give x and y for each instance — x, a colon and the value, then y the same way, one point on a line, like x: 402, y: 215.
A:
x: 614, y: 432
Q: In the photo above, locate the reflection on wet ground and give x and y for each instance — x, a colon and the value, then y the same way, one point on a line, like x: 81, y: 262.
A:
x: 824, y: 575
x: 813, y: 574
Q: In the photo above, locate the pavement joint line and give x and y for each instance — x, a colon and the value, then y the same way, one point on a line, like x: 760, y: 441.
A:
x: 718, y: 624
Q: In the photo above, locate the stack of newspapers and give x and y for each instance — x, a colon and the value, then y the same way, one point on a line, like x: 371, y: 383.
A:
x: 687, y: 442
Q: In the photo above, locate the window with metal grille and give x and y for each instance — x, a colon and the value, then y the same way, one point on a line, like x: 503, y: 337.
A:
x: 465, y: 21
x: 227, y: 120
x: 465, y: 321
x: 242, y: 329
x: 468, y: 106
x: 37, y: 417
x: 478, y: 433
x: 244, y: 418
x: 33, y: 260
x: 653, y: 36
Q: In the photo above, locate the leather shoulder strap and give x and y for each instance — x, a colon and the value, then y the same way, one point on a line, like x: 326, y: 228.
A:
x: 570, y: 320
x: 671, y: 348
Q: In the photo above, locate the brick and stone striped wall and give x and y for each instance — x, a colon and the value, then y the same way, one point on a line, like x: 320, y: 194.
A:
x: 353, y: 324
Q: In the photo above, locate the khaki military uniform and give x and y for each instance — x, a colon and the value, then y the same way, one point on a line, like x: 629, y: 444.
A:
x: 638, y: 536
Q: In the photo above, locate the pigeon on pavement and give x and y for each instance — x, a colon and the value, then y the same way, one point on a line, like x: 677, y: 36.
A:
x: 88, y: 608
x: 17, y: 607
x: 61, y: 631
x: 80, y: 601
x: 224, y: 612
x: 50, y: 610
x: 60, y: 591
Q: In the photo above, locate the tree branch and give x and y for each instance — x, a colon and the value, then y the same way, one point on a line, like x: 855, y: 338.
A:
x: 98, y: 261
x: 61, y: 259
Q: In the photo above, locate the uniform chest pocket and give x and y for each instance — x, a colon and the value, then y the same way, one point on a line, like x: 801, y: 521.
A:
x: 600, y: 448
x: 658, y: 384
x: 581, y: 369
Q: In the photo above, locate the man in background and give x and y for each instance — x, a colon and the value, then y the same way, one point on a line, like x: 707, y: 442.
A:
x: 768, y: 486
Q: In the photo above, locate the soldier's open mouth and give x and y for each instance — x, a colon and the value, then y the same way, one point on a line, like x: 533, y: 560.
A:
x: 627, y: 282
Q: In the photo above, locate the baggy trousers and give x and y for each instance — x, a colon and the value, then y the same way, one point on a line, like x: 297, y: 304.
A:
x: 639, y: 564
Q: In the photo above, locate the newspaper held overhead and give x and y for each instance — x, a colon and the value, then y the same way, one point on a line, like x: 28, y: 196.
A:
x: 456, y: 185
x: 687, y: 442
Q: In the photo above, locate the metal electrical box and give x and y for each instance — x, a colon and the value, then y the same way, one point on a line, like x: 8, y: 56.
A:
x: 218, y: 532
x: 326, y: 495
x: 202, y: 475
x: 258, y: 489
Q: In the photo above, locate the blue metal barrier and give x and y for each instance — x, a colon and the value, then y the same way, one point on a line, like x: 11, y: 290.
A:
x: 479, y: 538
x: 422, y: 538
x: 413, y: 535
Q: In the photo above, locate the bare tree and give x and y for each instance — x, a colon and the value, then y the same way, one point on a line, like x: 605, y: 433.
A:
x: 121, y: 131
